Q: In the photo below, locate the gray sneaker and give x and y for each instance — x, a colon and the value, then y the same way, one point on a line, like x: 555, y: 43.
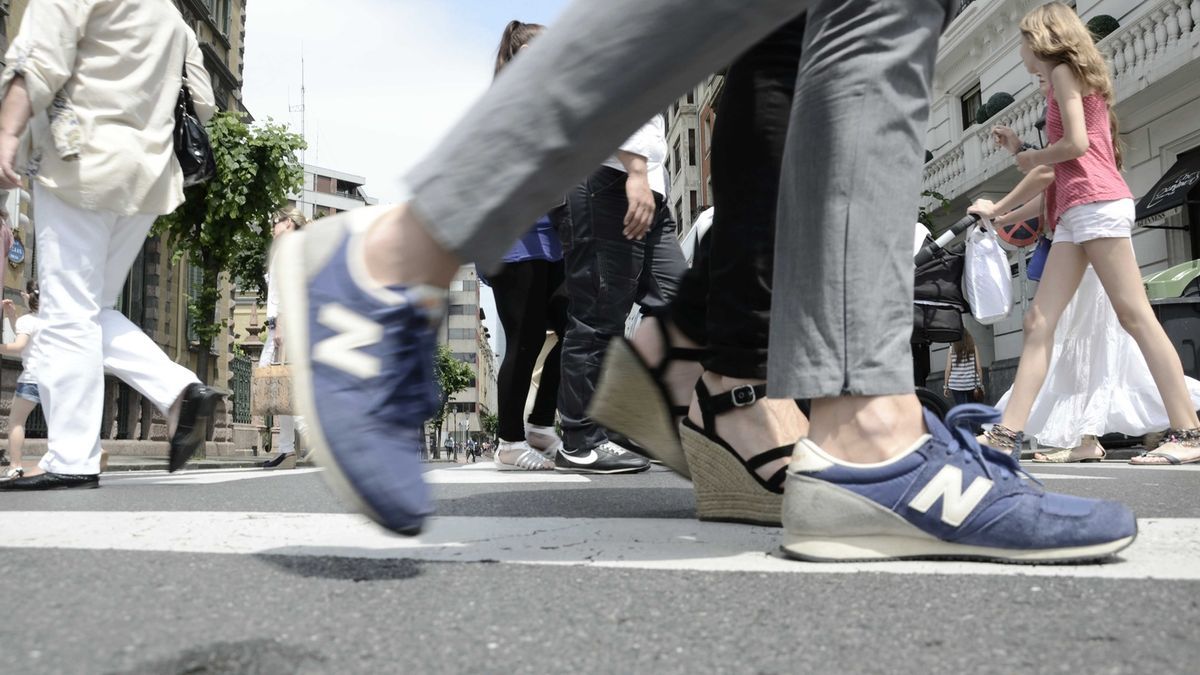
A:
x: 605, y: 458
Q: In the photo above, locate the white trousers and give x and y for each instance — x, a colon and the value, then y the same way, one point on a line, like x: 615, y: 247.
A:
x: 83, y: 260
x: 288, y: 424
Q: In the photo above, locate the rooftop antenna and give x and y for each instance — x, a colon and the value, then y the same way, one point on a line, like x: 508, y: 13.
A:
x: 303, y: 110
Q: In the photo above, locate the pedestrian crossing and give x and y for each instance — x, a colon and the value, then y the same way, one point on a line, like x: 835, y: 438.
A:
x: 1167, y: 548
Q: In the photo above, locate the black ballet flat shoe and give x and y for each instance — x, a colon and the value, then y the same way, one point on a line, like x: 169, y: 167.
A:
x: 199, y: 401
x: 52, y: 481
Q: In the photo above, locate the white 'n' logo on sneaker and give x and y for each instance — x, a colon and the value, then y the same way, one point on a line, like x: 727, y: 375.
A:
x: 342, y: 351
x: 947, y: 486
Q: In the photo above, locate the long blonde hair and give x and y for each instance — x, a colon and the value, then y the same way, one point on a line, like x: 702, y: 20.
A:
x: 1055, y: 33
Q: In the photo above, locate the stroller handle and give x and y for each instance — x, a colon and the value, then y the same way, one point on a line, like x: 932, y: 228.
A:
x: 926, y: 252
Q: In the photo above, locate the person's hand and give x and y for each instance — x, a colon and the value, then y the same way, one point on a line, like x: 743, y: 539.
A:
x: 1006, y: 138
x: 984, y: 208
x: 9, y: 180
x: 1028, y: 160
x: 9, y: 307
x: 640, y: 215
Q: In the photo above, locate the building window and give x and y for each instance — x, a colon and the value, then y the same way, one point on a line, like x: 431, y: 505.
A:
x: 461, y: 406
x: 470, y: 285
x: 463, y: 310
x: 675, y: 154
x: 466, y: 357
x: 693, y: 202
x: 972, y: 101
x: 691, y: 96
x: 462, y: 334
x: 679, y: 209
x: 691, y: 147
x: 195, y: 280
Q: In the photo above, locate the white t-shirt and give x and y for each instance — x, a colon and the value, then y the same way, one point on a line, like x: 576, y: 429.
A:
x: 28, y: 324
x: 650, y: 142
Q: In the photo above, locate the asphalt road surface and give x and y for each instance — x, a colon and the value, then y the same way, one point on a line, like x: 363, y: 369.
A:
x: 249, y: 571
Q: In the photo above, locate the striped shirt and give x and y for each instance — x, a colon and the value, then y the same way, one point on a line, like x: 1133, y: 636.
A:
x: 962, y: 373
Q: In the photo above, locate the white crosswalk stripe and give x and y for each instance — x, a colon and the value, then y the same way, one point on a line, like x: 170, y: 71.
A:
x: 1166, y: 548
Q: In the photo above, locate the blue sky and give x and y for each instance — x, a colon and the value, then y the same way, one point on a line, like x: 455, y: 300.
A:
x: 385, y: 78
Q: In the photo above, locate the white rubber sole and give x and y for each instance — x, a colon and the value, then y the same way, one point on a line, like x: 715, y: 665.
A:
x: 887, y: 547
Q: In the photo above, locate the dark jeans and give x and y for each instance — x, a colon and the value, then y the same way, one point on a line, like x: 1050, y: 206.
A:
x: 724, y: 301
x: 606, y: 274
x: 530, y: 301
x: 963, y: 397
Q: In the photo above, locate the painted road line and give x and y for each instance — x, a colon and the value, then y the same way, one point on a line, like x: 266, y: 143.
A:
x: 476, y: 474
x: 1166, y: 548
x: 481, y: 473
x: 214, y: 477
x: 1069, y: 476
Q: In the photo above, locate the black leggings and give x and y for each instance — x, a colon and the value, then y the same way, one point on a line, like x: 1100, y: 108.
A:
x: 530, y: 301
x: 724, y: 301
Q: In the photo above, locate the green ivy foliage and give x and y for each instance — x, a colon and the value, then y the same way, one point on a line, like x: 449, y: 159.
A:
x: 223, y: 226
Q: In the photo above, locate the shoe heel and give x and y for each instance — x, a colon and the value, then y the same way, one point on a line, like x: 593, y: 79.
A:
x: 724, y: 491
x: 629, y: 402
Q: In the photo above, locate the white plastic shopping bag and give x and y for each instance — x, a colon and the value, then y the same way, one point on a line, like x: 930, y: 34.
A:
x: 987, y: 280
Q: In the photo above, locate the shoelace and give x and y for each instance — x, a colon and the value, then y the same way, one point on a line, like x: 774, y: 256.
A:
x: 398, y: 379
x: 960, y: 422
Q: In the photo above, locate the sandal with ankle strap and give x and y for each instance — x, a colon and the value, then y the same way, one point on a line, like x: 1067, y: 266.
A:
x: 632, y: 400
x: 728, y: 488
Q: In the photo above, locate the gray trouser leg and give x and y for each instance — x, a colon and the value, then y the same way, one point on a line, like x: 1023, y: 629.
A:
x: 565, y: 104
x: 841, y: 316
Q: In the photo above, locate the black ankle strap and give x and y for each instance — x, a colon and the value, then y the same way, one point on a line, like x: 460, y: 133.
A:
x: 673, y: 353
x: 738, y: 397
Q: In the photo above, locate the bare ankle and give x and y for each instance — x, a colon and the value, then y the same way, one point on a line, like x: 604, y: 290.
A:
x: 400, y: 251
x: 867, y: 429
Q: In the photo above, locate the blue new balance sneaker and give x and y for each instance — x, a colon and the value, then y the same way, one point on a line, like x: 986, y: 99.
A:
x: 361, y: 359
x: 947, y: 498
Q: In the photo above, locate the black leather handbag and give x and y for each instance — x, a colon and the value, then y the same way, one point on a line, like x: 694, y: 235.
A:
x: 192, y: 147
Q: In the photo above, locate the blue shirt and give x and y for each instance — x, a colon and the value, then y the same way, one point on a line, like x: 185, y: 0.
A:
x: 539, y: 243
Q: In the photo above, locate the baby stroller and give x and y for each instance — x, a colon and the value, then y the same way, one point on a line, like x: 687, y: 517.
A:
x: 938, y: 304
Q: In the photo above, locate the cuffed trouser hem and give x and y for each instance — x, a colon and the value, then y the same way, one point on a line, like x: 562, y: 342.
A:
x: 802, y: 384
x: 841, y: 317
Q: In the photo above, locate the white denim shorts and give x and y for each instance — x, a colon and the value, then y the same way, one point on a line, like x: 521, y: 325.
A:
x: 1098, y: 220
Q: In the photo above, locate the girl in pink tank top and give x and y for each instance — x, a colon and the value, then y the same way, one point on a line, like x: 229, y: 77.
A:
x: 1091, y: 210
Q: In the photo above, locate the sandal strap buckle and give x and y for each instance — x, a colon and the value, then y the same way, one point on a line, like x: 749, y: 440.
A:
x: 743, y: 396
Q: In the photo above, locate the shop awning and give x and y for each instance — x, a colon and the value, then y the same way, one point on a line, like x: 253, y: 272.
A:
x: 1177, y: 187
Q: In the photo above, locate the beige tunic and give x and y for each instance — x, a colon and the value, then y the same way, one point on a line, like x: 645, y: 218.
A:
x: 103, y: 77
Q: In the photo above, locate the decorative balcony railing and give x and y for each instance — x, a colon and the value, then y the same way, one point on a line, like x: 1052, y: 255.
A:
x: 1140, y: 52
x: 1164, y: 34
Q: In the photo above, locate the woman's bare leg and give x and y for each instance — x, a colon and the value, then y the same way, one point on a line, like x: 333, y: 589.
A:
x: 1064, y: 271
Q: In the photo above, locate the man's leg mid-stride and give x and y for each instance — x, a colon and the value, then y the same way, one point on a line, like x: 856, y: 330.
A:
x: 876, y: 479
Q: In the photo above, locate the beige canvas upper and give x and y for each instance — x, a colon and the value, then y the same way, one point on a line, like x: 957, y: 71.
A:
x: 104, y: 77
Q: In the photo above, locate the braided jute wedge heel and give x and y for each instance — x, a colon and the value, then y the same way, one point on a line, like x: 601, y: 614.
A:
x: 632, y: 400
x: 728, y: 488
